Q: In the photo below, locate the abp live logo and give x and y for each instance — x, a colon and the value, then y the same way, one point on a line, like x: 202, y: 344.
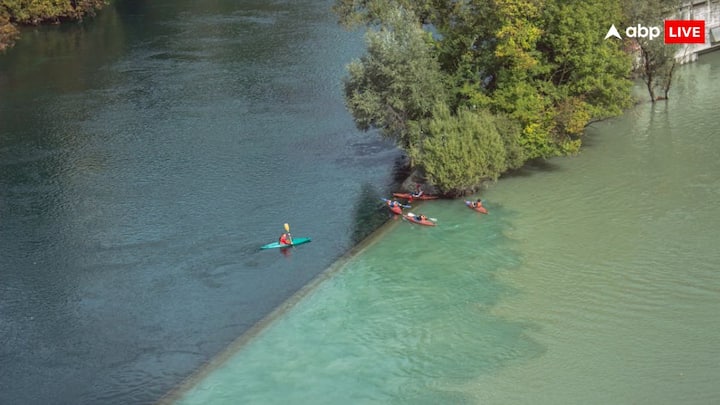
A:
x: 684, y: 31
x: 676, y: 32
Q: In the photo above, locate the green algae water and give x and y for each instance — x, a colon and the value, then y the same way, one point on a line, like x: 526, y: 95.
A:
x: 594, y: 280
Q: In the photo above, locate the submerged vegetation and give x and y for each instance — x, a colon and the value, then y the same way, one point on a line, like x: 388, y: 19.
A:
x: 14, y: 13
x: 471, y: 89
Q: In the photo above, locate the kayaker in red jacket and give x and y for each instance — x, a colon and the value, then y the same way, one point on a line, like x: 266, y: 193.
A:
x: 476, y: 204
x: 285, y: 239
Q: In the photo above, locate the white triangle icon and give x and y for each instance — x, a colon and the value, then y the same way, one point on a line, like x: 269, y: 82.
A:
x: 613, y: 32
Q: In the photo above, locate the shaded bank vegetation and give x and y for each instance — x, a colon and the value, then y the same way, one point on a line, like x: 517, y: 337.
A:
x: 14, y: 13
x: 471, y: 89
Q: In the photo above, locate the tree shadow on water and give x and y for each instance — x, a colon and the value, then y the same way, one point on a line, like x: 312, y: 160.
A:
x: 369, y: 213
x: 401, y: 170
x: 532, y: 167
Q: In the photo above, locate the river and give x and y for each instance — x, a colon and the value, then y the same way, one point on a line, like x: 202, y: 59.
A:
x: 148, y: 153
x: 145, y: 156
x: 593, y: 279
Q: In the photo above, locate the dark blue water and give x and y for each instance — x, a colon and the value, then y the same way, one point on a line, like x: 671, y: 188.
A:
x: 145, y: 156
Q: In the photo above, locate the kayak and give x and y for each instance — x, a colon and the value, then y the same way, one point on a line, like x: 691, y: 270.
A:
x: 397, y: 209
x: 409, y: 196
x: 296, y: 241
x: 479, y: 209
x: 411, y: 217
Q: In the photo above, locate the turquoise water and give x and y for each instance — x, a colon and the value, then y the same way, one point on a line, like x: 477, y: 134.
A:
x: 593, y: 280
x: 393, y: 324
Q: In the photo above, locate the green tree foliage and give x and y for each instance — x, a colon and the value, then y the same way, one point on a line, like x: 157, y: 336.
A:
x: 34, y: 12
x: 559, y: 74
x: 464, y: 149
x: 397, y: 82
x: 353, y: 13
x: 542, y: 64
x: 8, y: 32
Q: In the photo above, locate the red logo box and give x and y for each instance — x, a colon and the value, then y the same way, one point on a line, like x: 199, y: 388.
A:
x: 684, y: 31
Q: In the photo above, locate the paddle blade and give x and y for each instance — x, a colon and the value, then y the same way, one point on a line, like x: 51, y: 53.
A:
x: 287, y: 228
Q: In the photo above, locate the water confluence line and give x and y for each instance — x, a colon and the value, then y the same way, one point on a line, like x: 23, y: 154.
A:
x: 256, y: 330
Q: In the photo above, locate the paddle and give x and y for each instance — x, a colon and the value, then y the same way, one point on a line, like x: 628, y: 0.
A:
x: 287, y: 229
x: 410, y: 214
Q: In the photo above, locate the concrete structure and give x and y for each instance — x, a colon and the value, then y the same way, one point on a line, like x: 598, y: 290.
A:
x: 708, y: 10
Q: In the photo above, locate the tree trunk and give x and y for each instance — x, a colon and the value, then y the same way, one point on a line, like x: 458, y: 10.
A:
x: 668, y: 79
x: 649, y: 71
x: 649, y: 83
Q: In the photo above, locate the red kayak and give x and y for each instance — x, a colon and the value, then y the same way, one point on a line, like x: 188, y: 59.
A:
x: 478, y: 208
x: 409, y: 196
x: 415, y: 219
x: 396, y: 207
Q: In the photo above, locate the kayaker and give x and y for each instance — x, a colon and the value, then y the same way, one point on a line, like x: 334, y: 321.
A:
x: 285, y: 239
x: 392, y: 203
x: 477, y: 204
x: 418, y: 191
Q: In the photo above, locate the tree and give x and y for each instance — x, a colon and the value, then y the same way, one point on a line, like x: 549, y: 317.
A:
x: 556, y: 73
x: 24, y: 12
x: 398, y: 81
x: 656, y: 61
x: 8, y: 32
x: 462, y: 150
x: 656, y: 67
x: 352, y: 13
x: 541, y: 66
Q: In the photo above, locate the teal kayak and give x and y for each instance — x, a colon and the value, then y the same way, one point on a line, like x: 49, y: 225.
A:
x: 296, y: 241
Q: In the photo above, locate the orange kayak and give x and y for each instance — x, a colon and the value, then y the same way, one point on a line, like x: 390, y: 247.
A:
x: 396, y: 208
x: 409, y: 196
x: 415, y: 219
x: 479, y: 208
